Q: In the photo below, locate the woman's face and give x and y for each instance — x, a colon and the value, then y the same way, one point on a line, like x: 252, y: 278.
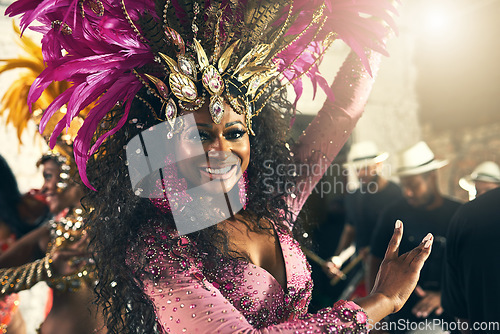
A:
x: 226, y: 146
x: 51, y: 171
x: 58, y: 200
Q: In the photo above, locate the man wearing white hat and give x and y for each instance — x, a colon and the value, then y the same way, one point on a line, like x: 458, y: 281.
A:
x: 485, y: 177
x: 422, y: 210
x: 365, y: 204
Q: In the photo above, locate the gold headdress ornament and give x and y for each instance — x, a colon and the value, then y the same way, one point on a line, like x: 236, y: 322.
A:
x: 188, y: 53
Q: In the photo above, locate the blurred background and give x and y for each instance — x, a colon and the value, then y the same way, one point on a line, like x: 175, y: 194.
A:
x: 441, y: 84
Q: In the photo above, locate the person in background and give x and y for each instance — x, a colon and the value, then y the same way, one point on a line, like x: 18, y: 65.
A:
x: 9, y: 200
x: 10, y: 316
x: 56, y: 251
x: 364, y: 205
x: 471, y: 292
x: 423, y: 208
x: 485, y: 177
x: 21, y: 213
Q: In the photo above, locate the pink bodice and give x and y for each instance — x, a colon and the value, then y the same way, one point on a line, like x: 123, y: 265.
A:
x: 242, y: 297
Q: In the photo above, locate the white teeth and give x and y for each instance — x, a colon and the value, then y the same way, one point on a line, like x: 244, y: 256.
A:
x: 218, y: 171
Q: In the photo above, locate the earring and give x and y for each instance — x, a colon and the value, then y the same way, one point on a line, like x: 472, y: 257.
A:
x: 243, y: 189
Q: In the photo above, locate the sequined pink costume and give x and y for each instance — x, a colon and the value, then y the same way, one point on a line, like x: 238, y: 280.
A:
x: 249, y: 299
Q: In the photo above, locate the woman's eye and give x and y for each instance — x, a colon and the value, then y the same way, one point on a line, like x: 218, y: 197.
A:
x: 203, y: 135
x: 47, y: 177
x: 235, y: 134
x: 198, y: 135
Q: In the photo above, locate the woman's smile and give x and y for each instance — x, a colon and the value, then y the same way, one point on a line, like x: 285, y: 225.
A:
x: 222, y: 173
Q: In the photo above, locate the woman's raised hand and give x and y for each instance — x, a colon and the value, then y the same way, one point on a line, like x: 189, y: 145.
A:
x: 398, y: 275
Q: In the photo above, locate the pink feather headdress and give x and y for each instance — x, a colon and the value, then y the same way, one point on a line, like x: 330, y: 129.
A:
x: 185, y: 52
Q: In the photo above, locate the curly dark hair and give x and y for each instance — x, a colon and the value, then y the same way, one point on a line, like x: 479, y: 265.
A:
x: 118, y: 215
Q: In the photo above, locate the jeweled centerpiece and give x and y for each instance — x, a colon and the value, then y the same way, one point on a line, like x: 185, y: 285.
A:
x: 216, y: 108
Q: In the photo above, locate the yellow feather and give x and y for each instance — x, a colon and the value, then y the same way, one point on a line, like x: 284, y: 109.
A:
x: 14, y: 103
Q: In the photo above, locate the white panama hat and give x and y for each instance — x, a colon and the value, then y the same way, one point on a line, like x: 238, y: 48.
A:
x: 364, y: 154
x: 487, y: 171
x: 417, y: 159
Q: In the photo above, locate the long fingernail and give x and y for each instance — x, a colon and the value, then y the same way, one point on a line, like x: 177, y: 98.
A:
x: 399, y: 223
x: 427, y: 240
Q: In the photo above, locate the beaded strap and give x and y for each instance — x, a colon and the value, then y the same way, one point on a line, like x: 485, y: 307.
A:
x: 24, y: 277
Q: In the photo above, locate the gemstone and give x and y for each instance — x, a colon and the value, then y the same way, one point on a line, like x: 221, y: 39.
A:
x: 246, y: 303
x: 217, y: 108
x: 346, y: 314
x: 264, y: 313
x: 171, y: 110
x: 361, y: 317
x: 214, y: 84
x: 96, y: 7
x: 185, y: 66
x: 155, y: 270
x: 229, y: 286
x: 279, y: 312
x: 162, y: 88
x: 183, y: 242
x: 198, y: 276
x: 256, y: 82
x: 189, y: 93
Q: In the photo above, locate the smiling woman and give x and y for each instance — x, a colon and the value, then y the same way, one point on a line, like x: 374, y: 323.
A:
x: 191, y: 114
x: 226, y: 149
